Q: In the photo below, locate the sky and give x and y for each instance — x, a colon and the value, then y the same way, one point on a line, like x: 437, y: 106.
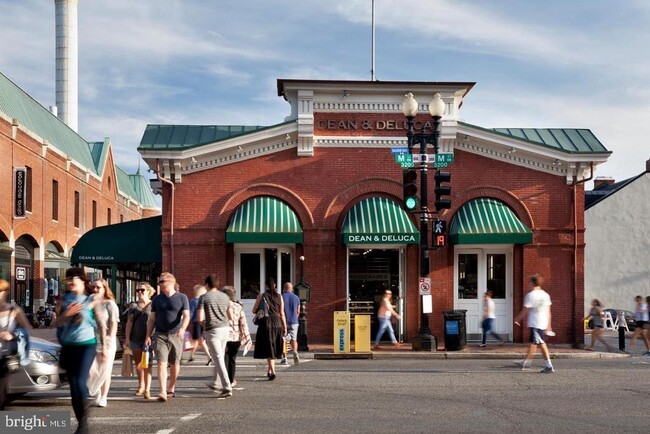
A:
x: 551, y: 64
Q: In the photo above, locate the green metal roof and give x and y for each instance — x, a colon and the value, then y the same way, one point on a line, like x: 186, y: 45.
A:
x: 570, y: 140
x: 264, y: 219
x: 124, y: 184
x: 488, y: 221
x: 16, y: 103
x: 143, y: 190
x: 99, y: 153
x: 177, y: 137
x: 377, y: 220
x: 121, y: 243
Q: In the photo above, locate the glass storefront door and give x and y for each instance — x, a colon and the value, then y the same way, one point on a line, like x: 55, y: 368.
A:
x: 253, y: 266
x: 371, y: 271
x: 478, y: 270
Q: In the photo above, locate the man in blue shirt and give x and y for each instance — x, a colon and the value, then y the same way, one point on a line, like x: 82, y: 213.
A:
x: 291, y: 312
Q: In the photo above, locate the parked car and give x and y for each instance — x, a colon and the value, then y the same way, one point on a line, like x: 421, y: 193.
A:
x: 629, y: 318
x: 43, y: 373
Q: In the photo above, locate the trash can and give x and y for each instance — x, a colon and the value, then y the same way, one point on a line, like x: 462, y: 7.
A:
x: 455, y: 330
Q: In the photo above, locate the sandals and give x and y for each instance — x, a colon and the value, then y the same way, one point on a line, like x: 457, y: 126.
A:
x: 171, y: 394
x: 162, y: 398
x: 146, y: 394
x: 139, y: 392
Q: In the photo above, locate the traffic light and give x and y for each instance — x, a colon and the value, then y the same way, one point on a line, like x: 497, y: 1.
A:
x: 410, y: 178
x: 442, y: 202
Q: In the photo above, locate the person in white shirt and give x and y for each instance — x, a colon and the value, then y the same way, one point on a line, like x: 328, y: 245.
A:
x: 384, y: 315
x: 537, y: 304
x: 642, y: 319
x: 489, y: 317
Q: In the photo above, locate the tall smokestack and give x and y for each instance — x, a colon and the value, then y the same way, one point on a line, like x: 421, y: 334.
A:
x: 67, y: 94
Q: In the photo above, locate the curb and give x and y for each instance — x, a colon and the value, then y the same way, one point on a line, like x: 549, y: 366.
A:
x: 460, y: 356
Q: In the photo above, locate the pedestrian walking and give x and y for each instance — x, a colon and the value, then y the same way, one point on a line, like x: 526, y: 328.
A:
x: 384, y: 316
x: 537, y: 305
x: 80, y: 324
x: 195, y: 325
x: 291, y: 313
x: 11, y: 319
x: 642, y: 320
x: 239, y: 334
x: 136, y: 334
x: 272, y: 325
x: 596, y: 316
x: 99, y: 381
x: 213, y: 315
x: 170, y: 316
x: 489, y: 316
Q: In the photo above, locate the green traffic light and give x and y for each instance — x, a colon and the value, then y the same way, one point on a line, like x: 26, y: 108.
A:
x: 410, y: 203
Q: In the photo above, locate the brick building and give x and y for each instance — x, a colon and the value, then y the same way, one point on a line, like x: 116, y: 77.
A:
x: 54, y: 187
x: 249, y: 201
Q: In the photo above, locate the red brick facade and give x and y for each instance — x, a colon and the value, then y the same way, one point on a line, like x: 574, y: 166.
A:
x: 20, y: 149
x: 323, y: 187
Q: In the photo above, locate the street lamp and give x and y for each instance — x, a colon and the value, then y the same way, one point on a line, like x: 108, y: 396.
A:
x: 423, y: 341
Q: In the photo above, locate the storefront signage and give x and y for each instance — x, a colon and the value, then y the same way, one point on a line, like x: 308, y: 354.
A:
x: 96, y: 258
x: 371, y: 125
x: 21, y: 274
x: 381, y: 239
x: 20, y: 192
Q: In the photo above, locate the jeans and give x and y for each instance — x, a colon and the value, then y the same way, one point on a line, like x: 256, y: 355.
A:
x: 77, y: 360
x: 487, y: 328
x: 384, y: 323
x: 217, y: 339
x: 231, y: 359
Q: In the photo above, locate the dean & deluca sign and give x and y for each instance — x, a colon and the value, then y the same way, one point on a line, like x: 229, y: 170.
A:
x: 370, y: 125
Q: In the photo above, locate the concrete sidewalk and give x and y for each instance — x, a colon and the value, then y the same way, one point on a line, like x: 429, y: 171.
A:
x: 472, y: 351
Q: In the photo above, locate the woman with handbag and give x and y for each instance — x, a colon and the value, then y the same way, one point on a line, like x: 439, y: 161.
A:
x: 80, y: 323
x: 11, y: 317
x: 271, y: 326
x: 239, y: 334
x: 136, y: 333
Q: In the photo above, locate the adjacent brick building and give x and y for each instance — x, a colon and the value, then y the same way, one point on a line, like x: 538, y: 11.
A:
x: 250, y: 201
x: 67, y: 186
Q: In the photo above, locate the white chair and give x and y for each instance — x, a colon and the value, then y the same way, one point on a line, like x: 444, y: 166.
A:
x: 621, y: 322
x: 608, y: 322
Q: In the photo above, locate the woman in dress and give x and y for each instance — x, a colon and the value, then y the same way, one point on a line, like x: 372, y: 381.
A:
x: 100, y: 373
x: 80, y: 322
x: 136, y: 332
x: 10, y: 318
x: 239, y: 334
x: 197, y: 330
x: 596, y: 315
x: 268, y: 343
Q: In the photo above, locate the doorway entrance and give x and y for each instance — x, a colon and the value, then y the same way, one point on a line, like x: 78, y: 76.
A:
x: 371, y: 271
x: 477, y: 270
x: 253, y: 265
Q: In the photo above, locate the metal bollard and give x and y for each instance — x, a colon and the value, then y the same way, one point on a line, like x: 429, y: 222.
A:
x: 621, y: 331
x: 302, y: 328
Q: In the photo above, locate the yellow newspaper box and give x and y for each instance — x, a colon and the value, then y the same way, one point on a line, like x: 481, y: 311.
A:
x: 362, y: 333
x: 341, y: 332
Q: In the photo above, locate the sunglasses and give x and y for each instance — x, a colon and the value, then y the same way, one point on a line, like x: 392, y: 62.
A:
x: 141, y: 290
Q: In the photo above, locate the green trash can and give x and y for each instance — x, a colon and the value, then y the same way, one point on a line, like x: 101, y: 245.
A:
x: 455, y: 329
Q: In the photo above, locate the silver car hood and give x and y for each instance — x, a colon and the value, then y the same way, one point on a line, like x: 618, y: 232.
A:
x: 43, y: 345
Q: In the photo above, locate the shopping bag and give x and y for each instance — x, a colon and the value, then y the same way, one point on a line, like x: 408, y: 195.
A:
x: 187, y: 342
x: 127, y: 363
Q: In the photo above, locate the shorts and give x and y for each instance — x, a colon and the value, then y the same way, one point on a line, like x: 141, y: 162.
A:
x: 197, y: 331
x: 169, y: 348
x: 136, y: 345
x: 641, y: 324
x: 537, y: 336
x: 292, y: 331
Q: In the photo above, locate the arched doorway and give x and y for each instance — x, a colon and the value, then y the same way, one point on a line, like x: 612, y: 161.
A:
x: 5, y: 257
x: 56, y: 263
x: 24, y: 252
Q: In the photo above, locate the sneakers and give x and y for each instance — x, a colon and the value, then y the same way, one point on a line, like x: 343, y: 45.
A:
x: 284, y: 361
x: 102, y: 402
x: 547, y: 370
x: 483, y: 345
x: 296, y: 358
x: 225, y: 394
x: 522, y: 365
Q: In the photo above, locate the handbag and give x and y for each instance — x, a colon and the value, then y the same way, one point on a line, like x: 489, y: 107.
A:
x: 262, y: 312
x: 127, y: 363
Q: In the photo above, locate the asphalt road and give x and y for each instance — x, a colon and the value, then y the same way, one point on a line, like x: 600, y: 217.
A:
x: 387, y: 396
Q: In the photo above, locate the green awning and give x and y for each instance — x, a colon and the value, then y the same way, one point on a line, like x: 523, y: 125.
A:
x: 378, y: 220
x: 264, y: 219
x: 488, y: 221
x: 134, y: 242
